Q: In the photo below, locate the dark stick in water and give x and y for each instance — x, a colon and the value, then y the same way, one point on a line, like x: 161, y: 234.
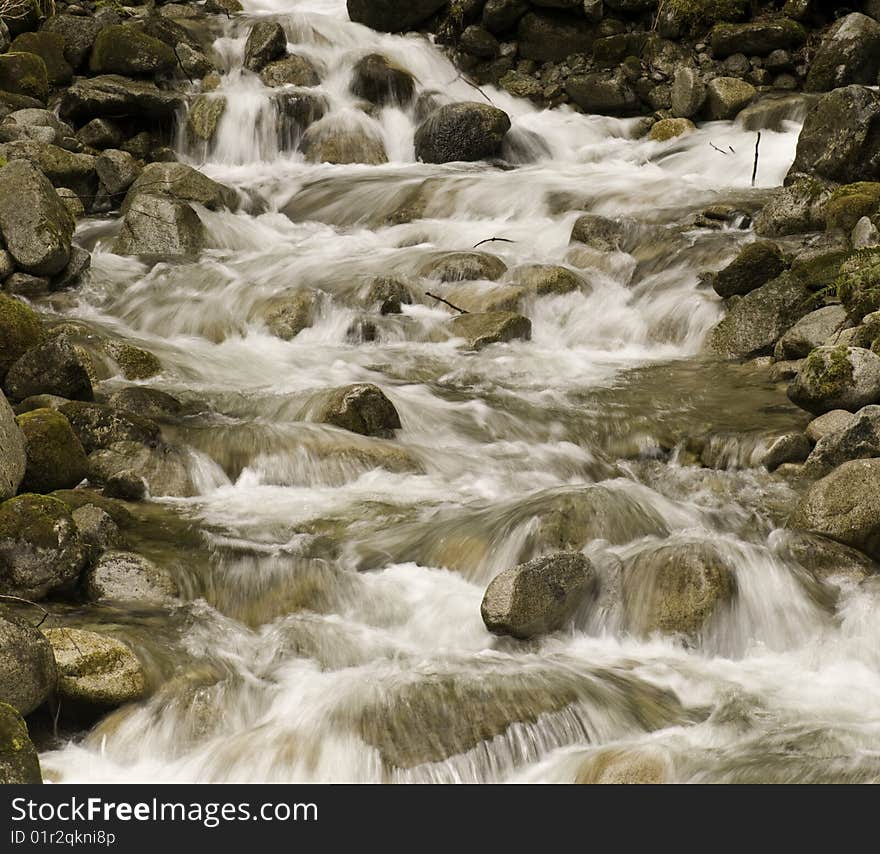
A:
x: 757, y: 154
x: 446, y: 302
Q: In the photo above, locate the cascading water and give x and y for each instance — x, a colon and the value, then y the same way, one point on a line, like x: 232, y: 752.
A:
x: 332, y: 626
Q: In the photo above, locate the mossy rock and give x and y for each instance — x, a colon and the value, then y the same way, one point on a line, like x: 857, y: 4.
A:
x: 858, y: 285
x: 20, y: 330
x: 124, y: 49
x: 135, y: 363
x: 19, y: 762
x: 698, y: 15
x: 819, y: 270
x: 667, y: 129
x: 839, y: 377
x: 848, y: 204
x: 204, y: 116
x: 55, y: 457
x: 50, y: 48
x: 24, y: 74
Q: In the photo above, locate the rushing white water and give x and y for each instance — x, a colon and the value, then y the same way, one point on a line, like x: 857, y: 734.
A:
x: 332, y: 629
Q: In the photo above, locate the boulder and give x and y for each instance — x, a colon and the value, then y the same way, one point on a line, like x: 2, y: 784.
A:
x: 126, y: 49
x: 500, y: 16
x: 117, y: 171
x: 26, y: 285
x: 62, y: 168
x: 362, y: 408
x: 50, y: 48
x: 40, y: 549
x: 551, y: 37
x: 794, y: 209
x: 463, y: 131
x: 831, y: 422
x: 13, y: 459
x: 158, y: 226
x: 849, y: 53
x: 667, y: 129
x: 619, y: 766
x: 756, y: 264
x: 858, y: 284
x: 55, y: 367
x: 756, y: 38
x: 845, y: 506
x: 265, y: 42
x: 482, y: 329
x: 119, y: 576
x: 380, y: 81
x: 675, y: 588
x: 34, y: 222
x: 547, y: 279
x: 78, y: 33
x: 726, y: 96
x: 24, y: 74
x: 840, y: 139
x: 468, y: 266
x: 598, y: 232
x: 850, y: 203
x: 96, y: 528
x: 181, y: 183
x: 20, y: 330
x: 479, y: 42
x: 100, y: 134
x: 55, y: 457
x: 392, y: 16
x: 332, y: 141
x: 607, y: 93
x: 823, y: 558
x: 688, y: 93
x: 164, y: 468
x: 538, y: 597
x: 94, y: 669
x: 147, y: 403
x: 98, y: 426
x: 19, y: 761
x: 27, y: 668
x: 286, y: 318
x: 292, y: 70
x: 111, y: 95
x: 388, y: 293
x: 791, y: 447
x: 204, y: 116
x: 811, y: 331
x: 837, y: 378
x: 859, y: 439
x: 759, y: 319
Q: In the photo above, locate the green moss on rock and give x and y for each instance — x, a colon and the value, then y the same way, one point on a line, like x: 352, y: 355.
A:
x: 19, y: 763
x: 24, y: 74
x: 858, y: 285
x: 55, y: 457
x: 848, y: 204
x: 20, y: 330
x: 125, y: 49
x: 830, y: 375
x: 135, y: 363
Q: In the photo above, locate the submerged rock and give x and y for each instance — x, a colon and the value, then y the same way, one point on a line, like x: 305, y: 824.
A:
x: 362, y: 408
x: 98, y: 426
x: 465, y: 131
x: 329, y: 141
x: 837, y: 378
x: 94, y: 669
x: 19, y: 762
x: 293, y: 70
x: 495, y: 327
x: 27, y: 668
x: 55, y: 457
x: 849, y: 53
x: 547, y: 279
x: 538, y: 597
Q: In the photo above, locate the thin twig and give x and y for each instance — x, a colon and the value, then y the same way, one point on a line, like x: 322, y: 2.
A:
x: 491, y: 239
x: 446, y: 302
x: 719, y: 150
x: 757, y: 155
x: 21, y: 601
x: 180, y: 63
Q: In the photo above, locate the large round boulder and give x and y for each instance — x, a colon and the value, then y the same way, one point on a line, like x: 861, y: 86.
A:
x: 538, y: 597
x: 56, y: 367
x: 13, y: 458
x: 55, y: 457
x: 158, y: 227
x: 127, y: 49
x: 40, y: 548
x: 755, y: 265
x: 465, y: 131
x: 27, y: 667
x: 837, y: 378
x: 127, y: 577
x: 99, y: 426
x: 849, y: 53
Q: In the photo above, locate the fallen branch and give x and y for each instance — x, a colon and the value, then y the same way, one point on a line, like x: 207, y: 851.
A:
x: 180, y: 63
x: 757, y: 155
x: 719, y: 150
x: 446, y: 302
x: 495, y: 239
x: 8, y: 598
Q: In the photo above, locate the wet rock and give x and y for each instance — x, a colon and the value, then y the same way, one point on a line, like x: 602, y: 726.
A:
x: 789, y: 448
x: 838, y: 140
x: 164, y: 468
x: 726, y: 96
x: 607, y: 93
x: 553, y: 37
x: 298, y: 109
x: 112, y: 95
x: 24, y: 74
x: 55, y: 457
x: 95, y: 670
x: 688, y: 93
x: 328, y: 141
x: 389, y: 294
x: 759, y: 319
x: 128, y: 577
x: 27, y: 668
x: 19, y: 761
x: 204, y: 116
x: 40, y: 549
x: 858, y: 439
x: 464, y: 267
x: 794, y: 209
x: 538, y: 597
x: 126, y: 485
x: 156, y: 226
x: 756, y: 38
x: 675, y: 588
x: 598, y: 232
x: 667, y: 129
x: 362, y: 408
x: 837, y: 378
x: 845, y: 506
x: 547, y: 279
x: 849, y: 53
x: 96, y: 528
x: 293, y: 70
x: 811, y: 331
x: 392, y: 16
x: 74, y: 205
x: 461, y: 132
x: 286, y: 318
x: 20, y: 331
x: 265, y: 43
x: 858, y: 285
x: 756, y: 264
x: 126, y: 49
x: 831, y: 422
x: 823, y: 558
x: 78, y: 33
x: 36, y: 226
x: 13, y: 459
x: 182, y: 183
x: 630, y: 766
x: 55, y: 367
x: 193, y: 62
x: 520, y: 85
x: 25, y: 285
x: 146, y: 402
x: 117, y: 171
x: 380, y: 81
x: 98, y: 426
x: 482, y: 329
x: 848, y: 204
